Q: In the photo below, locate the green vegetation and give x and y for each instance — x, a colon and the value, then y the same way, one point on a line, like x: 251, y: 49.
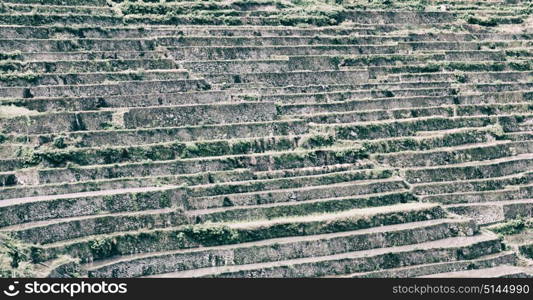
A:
x: 10, y: 56
x: 494, y: 21
x: 15, y: 258
x: 59, y: 142
x: 205, y: 235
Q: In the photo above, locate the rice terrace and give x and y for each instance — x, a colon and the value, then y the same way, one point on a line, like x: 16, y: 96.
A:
x: 266, y: 138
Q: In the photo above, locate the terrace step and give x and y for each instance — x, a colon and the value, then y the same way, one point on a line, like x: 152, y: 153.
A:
x: 366, y: 104
x: 425, y: 141
x: 125, y: 137
x: 281, y: 64
x: 429, y: 46
x: 40, y: 19
x: 57, y: 104
x: 58, y: 9
x: 31, y: 209
x: 465, y: 66
x: 471, y: 96
x: 507, y: 101
x: 87, y: 31
x: 263, y: 18
x: 170, y: 151
x: 256, y: 89
x: 483, y: 87
x: 89, y: 55
x: 84, y: 66
x: 133, y: 118
x: 493, y: 109
x: 253, y: 231
x: 53, y: 231
x: 379, y: 114
x: 524, y: 243
x: 451, y: 249
x: 335, y: 96
x: 146, y: 44
x: 105, y: 89
x: 61, y: 267
x: 61, y: 2
x: 493, y: 212
x: 519, y: 136
x: 239, y: 139
x: 270, y: 180
x: 265, y: 52
x: 67, y: 45
x: 417, y: 59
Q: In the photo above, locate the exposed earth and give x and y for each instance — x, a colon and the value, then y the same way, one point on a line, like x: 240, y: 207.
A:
x: 266, y: 138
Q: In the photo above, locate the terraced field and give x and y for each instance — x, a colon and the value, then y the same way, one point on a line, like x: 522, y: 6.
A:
x: 266, y: 138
